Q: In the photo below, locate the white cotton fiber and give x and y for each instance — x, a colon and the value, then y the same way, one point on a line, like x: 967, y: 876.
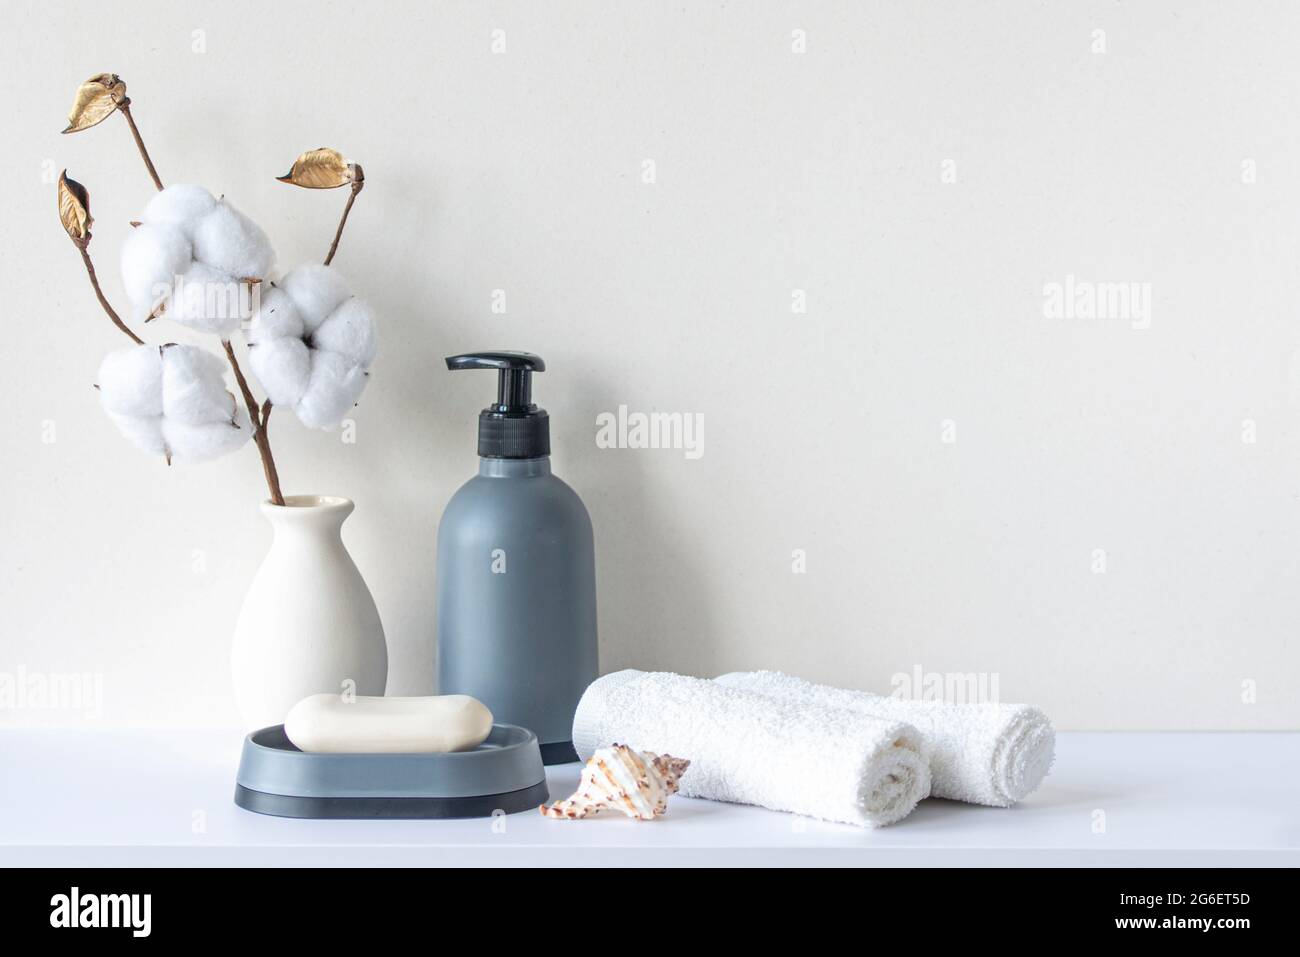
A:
x: 186, y: 232
x: 277, y: 318
x: 283, y: 367
x: 152, y: 257
x: 189, y: 443
x: 173, y: 401
x: 194, y: 386
x: 316, y: 290
x: 144, y: 431
x: 311, y: 344
x: 228, y: 240
x: 333, y: 389
x: 349, y: 331
x: 208, y: 300
x: 179, y: 206
x: 130, y: 381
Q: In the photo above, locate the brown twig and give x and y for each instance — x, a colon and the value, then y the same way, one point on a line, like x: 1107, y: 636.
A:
x: 99, y: 293
x: 260, y: 435
x: 125, y: 109
x: 358, y: 183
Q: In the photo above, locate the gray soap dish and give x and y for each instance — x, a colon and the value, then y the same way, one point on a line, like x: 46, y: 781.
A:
x: 503, y: 774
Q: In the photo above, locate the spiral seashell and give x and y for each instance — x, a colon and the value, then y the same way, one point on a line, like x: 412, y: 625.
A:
x: 635, y: 782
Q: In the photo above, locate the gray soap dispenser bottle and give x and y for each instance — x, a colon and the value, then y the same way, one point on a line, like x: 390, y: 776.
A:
x: 516, y: 570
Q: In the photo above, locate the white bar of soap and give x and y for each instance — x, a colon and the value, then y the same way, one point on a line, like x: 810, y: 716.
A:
x: 364, y: 724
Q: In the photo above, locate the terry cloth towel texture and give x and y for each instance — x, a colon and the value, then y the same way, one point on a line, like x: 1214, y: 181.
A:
x: 748, y: 748
x: 993, y: 754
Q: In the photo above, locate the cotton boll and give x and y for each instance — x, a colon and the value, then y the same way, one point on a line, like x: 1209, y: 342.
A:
x: 190, y: 443
x: 194, y: 386
x: 179, y: 206
x: 349, y: 331
x: 209, y: 300
x: 277, y: 318
x: 228, y: 240
x: 144, y: 431
x: 283, y: 367
x: 152, y: 257
x: 130, y: 381
x: 334, y: 388
x: 316, y: 290
x: 175, y: 401
x: 311, y: 344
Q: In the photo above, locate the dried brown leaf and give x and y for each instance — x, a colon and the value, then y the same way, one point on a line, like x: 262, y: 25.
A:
x: 322, y: 168
x: 74, y: 207
x: 96, y: 99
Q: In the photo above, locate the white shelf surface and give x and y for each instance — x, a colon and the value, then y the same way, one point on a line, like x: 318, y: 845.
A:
x: 136, y: 798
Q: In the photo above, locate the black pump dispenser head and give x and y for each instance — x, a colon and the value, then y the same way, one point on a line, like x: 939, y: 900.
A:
x: 513, y: 427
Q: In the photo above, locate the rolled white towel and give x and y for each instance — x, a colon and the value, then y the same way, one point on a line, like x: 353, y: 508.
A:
x: 747, y: 748
x: 993, y: 754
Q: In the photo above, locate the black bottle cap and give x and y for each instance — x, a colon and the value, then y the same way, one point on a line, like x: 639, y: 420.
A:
x: 513, y: 427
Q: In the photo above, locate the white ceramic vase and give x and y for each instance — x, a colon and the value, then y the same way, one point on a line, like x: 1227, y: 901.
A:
x: 309, y: 624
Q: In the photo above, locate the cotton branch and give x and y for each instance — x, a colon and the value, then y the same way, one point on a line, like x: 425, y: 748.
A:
x: 74, y: 214
x: 260, y: 435
x: 124, y: 108
x: 258, y: 420
x: 99, y: 293
x: 358, y: 183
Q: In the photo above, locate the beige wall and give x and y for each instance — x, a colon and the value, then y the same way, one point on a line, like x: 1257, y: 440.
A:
x: 775, y: 171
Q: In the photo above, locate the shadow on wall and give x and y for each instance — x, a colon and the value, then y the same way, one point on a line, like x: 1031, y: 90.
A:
x: 654, y: 604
